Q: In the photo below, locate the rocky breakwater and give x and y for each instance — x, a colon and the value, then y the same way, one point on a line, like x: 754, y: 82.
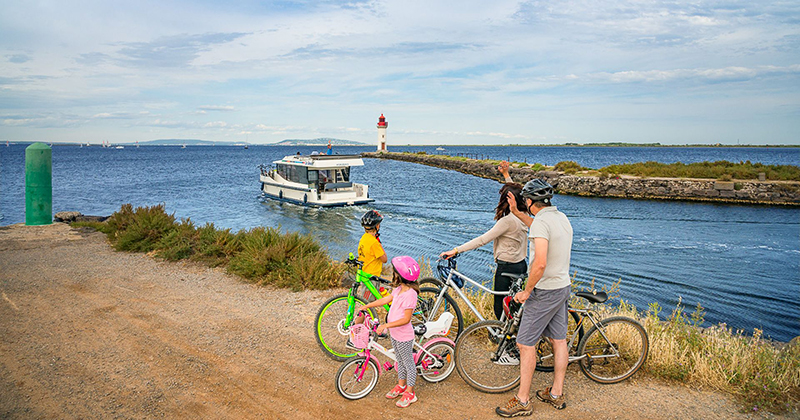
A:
x: 595, y: 184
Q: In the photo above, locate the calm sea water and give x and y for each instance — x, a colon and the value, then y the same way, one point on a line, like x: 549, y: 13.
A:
x: 741, y: 263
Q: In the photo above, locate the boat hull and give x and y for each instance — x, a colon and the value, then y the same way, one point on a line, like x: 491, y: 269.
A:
x: 310, y: 197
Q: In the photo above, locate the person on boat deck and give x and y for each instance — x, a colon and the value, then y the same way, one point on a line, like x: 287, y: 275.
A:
x: 510, y: 237
x: 330, y: 148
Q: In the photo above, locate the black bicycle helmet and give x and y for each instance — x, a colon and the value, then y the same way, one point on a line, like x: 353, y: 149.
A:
x: 371, y: 219
x: 538, y: 190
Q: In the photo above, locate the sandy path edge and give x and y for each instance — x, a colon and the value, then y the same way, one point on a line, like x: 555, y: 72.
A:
x: 87, y: 332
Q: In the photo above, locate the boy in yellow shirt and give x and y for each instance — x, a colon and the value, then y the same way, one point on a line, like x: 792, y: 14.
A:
x: 370, y: 250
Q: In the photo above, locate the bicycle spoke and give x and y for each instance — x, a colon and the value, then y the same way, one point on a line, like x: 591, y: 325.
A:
x: 614, y: 352
x: 474, y: 351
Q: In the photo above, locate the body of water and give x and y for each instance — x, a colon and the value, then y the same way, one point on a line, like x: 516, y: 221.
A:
x: 741, y: 263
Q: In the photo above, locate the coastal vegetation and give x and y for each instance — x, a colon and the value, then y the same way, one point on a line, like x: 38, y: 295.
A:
x: 260, y: 255
x: 762, y: 375
x: 720, y: 169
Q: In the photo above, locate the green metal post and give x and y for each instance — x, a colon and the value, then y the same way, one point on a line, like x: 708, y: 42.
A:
x: 38, y: 185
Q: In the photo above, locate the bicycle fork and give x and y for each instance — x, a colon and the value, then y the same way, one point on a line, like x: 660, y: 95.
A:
x: 505, y: 337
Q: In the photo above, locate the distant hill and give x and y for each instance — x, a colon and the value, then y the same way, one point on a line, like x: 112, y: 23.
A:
x: 188, y: 142
x: 322, y: 141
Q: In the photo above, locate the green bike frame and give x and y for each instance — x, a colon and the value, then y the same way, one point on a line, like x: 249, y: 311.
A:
x: 365, y: 279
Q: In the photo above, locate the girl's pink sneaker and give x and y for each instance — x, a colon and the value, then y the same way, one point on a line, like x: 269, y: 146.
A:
x: 406, y: 400
x: 395, y: 392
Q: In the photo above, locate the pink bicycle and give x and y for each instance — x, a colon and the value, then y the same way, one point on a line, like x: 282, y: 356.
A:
x: 434, y: 359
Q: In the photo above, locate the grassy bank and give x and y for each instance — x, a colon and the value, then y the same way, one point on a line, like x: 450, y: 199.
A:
x: 721, y: 169
x: 760, y: 374
x: 260, y: 255
x: 714, y: 170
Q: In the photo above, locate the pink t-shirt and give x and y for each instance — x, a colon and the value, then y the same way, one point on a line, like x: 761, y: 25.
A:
x: 401, y: 302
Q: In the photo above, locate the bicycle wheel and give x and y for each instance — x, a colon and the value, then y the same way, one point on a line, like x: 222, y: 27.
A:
x: 430, y: 282
x: 439, y: 364
x: 474, y: 349
x: 329, y: 327
x: 347, y: 378
x: 604, y: 364
x: 426, y: 299
x: 544, y: 350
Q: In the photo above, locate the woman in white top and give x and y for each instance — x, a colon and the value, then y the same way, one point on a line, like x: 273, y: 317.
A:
x: 510, y: 238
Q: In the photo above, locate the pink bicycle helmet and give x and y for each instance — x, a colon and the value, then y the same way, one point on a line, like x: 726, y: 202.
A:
x: 406, y: 267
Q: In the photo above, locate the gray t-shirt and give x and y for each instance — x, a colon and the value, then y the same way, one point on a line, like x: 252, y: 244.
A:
x: 554, y: 226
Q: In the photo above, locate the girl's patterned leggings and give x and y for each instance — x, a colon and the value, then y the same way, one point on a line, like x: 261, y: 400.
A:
x: 404, y: 353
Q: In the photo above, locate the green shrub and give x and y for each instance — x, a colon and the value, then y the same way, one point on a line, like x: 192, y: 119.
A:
x: 725, y: 177
x: 178, y: 243
x: 707, y: 170
x: 261, y: 255
x: 140, y: 229
x: 569, y: 167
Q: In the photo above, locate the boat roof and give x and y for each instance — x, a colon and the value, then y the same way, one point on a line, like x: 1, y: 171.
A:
x: 322, y: 161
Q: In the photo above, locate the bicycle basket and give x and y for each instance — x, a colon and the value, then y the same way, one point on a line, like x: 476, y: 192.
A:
x: 359, y: 335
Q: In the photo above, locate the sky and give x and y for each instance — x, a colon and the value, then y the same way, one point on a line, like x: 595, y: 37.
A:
x: 442, y: 72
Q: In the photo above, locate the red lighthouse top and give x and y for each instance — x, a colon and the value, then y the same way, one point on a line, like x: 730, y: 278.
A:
x: 382, y: 122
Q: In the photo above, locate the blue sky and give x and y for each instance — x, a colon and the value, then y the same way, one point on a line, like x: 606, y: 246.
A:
x: 466, y: 72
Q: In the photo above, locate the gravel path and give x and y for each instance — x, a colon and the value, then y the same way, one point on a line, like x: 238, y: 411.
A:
x: 87, y: 332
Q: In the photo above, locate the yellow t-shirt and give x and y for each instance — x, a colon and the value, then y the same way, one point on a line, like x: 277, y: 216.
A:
x: 369, y: 252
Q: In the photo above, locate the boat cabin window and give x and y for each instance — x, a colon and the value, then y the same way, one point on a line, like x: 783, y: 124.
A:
x: 334, y: 175
x: 294, y: 173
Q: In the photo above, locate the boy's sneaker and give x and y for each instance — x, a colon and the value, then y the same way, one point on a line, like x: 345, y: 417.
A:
x: 507, y: 359
x: 514, y: 408
x: 406, y: 400
x: 545, y: 396
x: 395, y: 392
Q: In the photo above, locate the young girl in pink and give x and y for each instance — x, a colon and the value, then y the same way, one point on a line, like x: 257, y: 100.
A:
x: 404, y: 300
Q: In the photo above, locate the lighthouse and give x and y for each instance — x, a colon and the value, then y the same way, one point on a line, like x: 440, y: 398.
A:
x: 382, y: 125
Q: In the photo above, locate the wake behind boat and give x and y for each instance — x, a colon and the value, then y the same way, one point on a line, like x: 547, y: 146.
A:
x: 316, y: 180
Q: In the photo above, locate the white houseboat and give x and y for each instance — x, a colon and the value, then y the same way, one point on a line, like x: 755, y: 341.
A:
x: 316, y: 180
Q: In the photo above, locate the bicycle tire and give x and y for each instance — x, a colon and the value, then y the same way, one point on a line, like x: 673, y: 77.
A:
x: 627, y: 336
x: 445, y: 352
x: 326, y: 327
x: 425, y: 300
x: 347, y: 381
x: 474, y: 349
x: 431, y: 282
x: 544, y: 350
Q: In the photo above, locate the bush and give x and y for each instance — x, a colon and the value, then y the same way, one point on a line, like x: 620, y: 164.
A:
x: 569, y: 167
x: 261, y: 255
x: 707, y: 170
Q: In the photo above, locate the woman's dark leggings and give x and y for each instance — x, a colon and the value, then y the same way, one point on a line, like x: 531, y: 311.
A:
x: 503, y: 283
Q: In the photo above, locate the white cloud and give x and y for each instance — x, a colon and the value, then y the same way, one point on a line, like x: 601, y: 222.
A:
x: 491, y: 71
x: 215, y: 108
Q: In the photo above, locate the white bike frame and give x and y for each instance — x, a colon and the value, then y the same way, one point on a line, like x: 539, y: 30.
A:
x: 450, y: 284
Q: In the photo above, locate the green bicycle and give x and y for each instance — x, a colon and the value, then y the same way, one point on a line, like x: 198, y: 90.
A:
x: 335, y: 316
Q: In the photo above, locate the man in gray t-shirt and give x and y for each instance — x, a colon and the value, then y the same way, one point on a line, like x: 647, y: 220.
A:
x: 544, y: 298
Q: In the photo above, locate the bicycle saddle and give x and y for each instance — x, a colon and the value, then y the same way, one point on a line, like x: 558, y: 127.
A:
x: 596, y: 297
x: 515, y: 276
x: 420, y: 329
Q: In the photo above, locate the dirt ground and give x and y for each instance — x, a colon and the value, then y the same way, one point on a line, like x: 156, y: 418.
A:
x: 87, y: 332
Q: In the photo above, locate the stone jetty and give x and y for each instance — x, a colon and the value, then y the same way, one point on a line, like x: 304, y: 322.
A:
x: 623, y: 186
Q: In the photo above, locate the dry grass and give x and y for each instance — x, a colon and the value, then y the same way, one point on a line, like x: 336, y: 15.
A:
x: 760, y: 374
